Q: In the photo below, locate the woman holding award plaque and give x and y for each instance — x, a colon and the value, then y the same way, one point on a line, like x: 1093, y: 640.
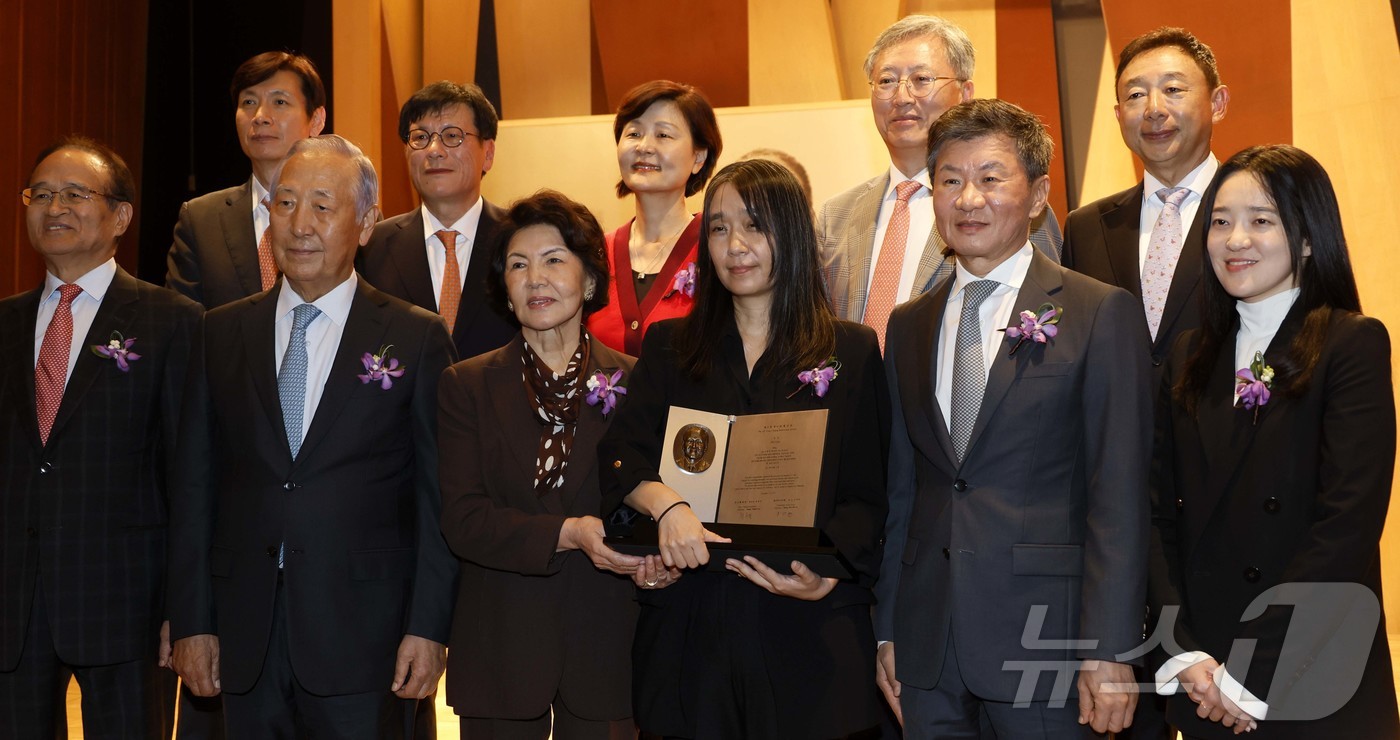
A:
x: 544, y: 609
x: 754, y: 651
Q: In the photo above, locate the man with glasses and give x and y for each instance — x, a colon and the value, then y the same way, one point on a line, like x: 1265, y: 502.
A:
x: 436, y: 256
x: 221, y: 251
x: 93, y: 368
x: 878, y: 241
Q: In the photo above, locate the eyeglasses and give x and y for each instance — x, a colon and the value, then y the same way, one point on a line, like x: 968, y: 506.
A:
x: 920, y: 85
x: 451, y: 137
x: 69, y: 196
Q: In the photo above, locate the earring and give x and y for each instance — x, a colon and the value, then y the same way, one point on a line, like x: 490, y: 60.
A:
x: 509, y: 306
x: 588, y: 293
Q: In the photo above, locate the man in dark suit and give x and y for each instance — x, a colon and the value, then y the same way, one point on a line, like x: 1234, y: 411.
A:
x: 88, y: 441
x: 918, y: 68
x: 309, y: 580
x: 220, y: 254
x: 437, y: 256
x: 1169, y: 99
x: 1016, y: 544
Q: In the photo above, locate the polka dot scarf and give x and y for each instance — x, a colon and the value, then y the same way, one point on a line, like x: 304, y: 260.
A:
x: 555, y: 399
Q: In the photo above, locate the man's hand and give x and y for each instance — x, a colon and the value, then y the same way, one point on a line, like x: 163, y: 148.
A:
x: 418, y: 668
x: 884, y: 677
x: 196, y: 659
x: 1107, y: 695
x: 163, y: 653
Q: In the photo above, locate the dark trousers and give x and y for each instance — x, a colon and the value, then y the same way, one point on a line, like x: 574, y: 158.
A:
x: 279, y: 707
x: 565, y: 726
x: 134, y: 699
x: 949, y: 710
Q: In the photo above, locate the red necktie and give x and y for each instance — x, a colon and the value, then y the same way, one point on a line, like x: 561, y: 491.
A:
x: 51, y: 373
x: 885, y: 285
x: 267, y: 266
x: 451, y: 280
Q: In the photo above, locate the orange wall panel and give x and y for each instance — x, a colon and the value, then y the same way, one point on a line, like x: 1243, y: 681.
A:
x: 704, y: 43
x: 1028, y: 75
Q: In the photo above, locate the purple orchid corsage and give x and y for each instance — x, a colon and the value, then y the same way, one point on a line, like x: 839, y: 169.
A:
x: 819, y: 377
x: 684, y: 282
x: 119, y: 349
x: 604, y: 389
x: 1252, y: 385
x: 1038, y: 326
x: 381, y: 369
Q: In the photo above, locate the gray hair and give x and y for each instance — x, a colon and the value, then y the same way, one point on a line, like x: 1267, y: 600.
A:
x: 366, y: 186
x: 961, y: 56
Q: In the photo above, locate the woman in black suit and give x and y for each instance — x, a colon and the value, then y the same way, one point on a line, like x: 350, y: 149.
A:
x: 544, y: 609
x: 1276, y: 445
x: 765, y: 654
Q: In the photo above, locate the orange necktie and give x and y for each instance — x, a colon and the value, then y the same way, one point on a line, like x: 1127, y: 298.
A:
x: 451, y: 280
x: 885, y: 285
x: 267, y: 266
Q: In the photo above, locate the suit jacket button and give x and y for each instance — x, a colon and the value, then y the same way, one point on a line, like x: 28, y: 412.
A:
x: 1156, y: 362
x: 946, y: 554
x: 634, y: 325
x: 1251, y: 574
x: 1272, y: 505
x: 45, y: 467
x: 272, y: 551
x: 1180, y: 504
x: 289, y: 486
x: 617, y: 464
x: 960, y: 485
x: 32, y: 532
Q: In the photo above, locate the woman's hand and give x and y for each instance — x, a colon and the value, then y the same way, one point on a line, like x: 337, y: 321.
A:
x: 682, y: 537
x: 1200, y: 685
x: 802, y: 584
x: 654, y: 574
x: 586, y: 533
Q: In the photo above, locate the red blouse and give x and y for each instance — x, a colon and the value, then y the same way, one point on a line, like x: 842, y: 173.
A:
x: 621, y: 324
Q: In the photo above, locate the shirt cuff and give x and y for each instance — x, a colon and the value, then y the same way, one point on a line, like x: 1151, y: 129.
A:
x: 1238, y: 694
x: 1166, y: 677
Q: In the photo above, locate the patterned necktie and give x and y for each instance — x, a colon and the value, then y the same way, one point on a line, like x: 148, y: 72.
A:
x: 1163, y: 251
x: 267, y: 266
x: 51, y: 374
x: 884, y: 286
x: 451, y: 280
x: 291, y: 379
x: 969, y: 366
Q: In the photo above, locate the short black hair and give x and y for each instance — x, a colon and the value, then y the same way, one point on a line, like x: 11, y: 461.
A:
x: 1177, y: 38
x: 988, y: 116
x: 263, y: 66
x: 121, y: 186
x: 698, y: 114
x: 445, y: 94
x: 574, y: 222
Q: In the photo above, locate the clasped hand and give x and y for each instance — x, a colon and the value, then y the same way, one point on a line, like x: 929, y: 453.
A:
x: 1198, y: 680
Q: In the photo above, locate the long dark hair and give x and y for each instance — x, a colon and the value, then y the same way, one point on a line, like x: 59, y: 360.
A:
x: 1307, y: 206
x: 801, y: 326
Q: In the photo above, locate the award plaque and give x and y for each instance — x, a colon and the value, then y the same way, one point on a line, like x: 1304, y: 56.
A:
x: 754, y: 479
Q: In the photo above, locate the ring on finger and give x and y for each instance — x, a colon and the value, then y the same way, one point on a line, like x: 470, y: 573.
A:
x: 651, y: 582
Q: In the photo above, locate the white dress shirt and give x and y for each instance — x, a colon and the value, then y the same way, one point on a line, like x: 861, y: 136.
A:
x: 322, y: 338
x: 1196, y: 181
x: 94, y: 284
x: 261, y: 218
x: 994, y: 313
x: 920, y: 226
x: 437, y: 254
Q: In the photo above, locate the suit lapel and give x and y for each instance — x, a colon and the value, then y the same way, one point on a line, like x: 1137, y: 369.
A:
x: 259, y: 336
x: 115, y: 314
x: 364, y: 332
x: 1043, y: 281
x: 240, y: 238
x: 1121, y: 229
x: 861, y: 231
x: 934, y: 264
x: 1184, y: 280
x: 18, y: 351
x: 679, y: 254
x: 408, y: 253
x: 511, y: 407
x: 478, y: 265
x: 919, y: 367
x: 590, y: 428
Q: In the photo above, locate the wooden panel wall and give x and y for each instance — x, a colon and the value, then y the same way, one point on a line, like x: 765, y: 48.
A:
x: 544, y: 49
x: 700, y: 42
x: 1028, y: 76
x: 71, y: 66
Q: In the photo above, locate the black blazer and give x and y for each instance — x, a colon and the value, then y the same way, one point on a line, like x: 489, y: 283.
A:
x: 1101, y: 241
x: 358, y: 508
x: 214, y: 257
x: 87, y: 512
x: 1298, y: 495
x: 820, y: 662
x: 395, y: 260
x: 531, y: 624
x: 1048, y: 510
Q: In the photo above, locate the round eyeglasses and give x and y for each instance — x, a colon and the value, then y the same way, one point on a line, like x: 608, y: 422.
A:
x: 451, y: 137
x: 69, y: 196
x: 884, y: 87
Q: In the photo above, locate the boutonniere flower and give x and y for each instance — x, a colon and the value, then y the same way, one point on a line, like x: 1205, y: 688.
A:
x: 381, y: 368
x: 684, y: 281
x: 119, y: 349
x: 819, y: 377
x: 604, y: 389
x: 1252, y: 385
x: 1038, y: 326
